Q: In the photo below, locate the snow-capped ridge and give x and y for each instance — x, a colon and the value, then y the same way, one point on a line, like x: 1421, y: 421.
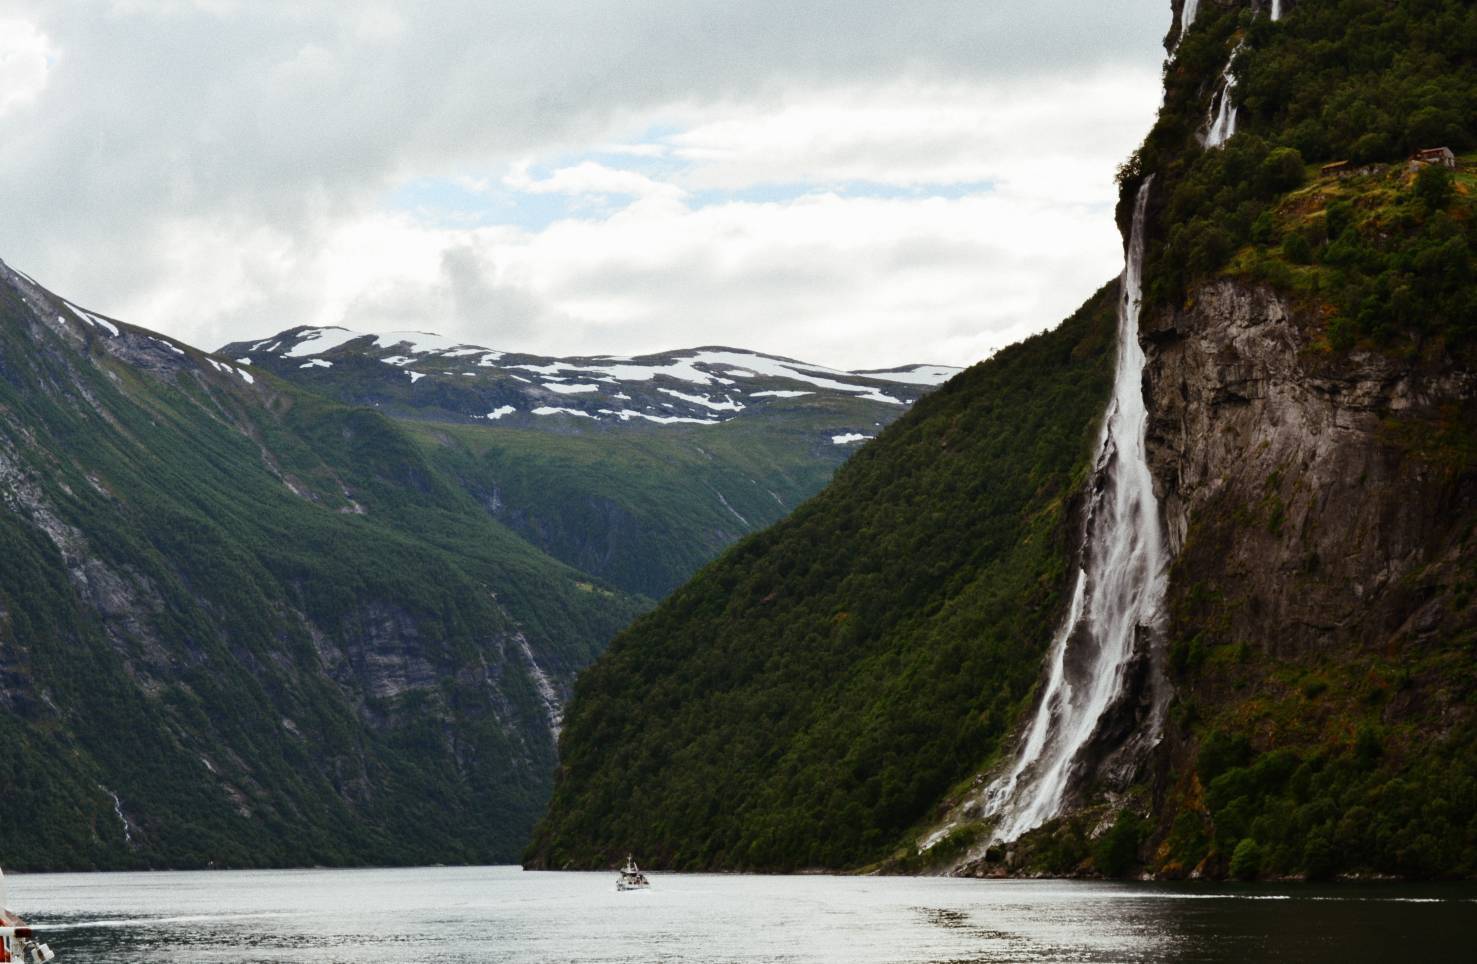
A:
x: 706, y: 385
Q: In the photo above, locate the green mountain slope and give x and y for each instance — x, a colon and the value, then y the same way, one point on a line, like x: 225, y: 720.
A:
x: 636, y: 470
x: 242, y: 625
x: 648, y: 509
x: 815, y: 691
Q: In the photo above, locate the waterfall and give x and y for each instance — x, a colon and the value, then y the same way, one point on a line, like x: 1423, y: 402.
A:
x: 1187, y: 17
x: 1276, y: 10
x: 1222, y: 124
x: 118, y: 812
x: 1119, y: 589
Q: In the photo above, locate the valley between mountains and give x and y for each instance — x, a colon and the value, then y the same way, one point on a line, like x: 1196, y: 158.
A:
x: 1183, y: 587
x: 325, y: 605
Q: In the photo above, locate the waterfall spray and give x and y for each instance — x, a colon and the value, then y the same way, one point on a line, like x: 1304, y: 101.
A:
x: 1276, y: 10
x: 1119, y: 590
x: 1222, y: 125
x: 1187, y: 17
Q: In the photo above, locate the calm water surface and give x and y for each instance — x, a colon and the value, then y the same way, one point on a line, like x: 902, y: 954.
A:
x: 504, y: 914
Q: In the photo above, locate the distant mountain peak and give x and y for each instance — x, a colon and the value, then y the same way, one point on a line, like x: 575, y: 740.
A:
x: 706, y: 386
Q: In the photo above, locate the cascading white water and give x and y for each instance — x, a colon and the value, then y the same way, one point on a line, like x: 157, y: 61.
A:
x: 1187, y: 17
x: 1276, y: 10
x: 1119, y: 588
x: 1222, y: 111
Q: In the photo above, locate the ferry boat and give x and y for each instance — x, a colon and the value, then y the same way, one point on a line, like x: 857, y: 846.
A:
x: 18, y: 942
x: 631, y: 877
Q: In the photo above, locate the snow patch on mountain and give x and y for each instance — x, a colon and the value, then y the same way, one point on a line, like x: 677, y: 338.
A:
x: 913, y: 374
x: 625, y: 415
x: 424, y: 343
x: 93, y: 319
x: 727, y: 405
x: 317, y: 341
x: 550, y: 410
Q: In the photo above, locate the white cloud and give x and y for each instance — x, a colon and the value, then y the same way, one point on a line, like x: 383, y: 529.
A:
x: 859, y: 182
x: 25, y: 61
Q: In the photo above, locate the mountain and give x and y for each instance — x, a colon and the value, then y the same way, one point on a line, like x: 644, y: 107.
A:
x: 243, y: 623
x: 804, y: 699
x: 1213, y: 617
x: 635, y: 470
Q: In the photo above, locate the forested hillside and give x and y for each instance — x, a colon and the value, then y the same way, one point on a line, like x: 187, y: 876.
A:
x: 811, y: 694
x: 241, y: 625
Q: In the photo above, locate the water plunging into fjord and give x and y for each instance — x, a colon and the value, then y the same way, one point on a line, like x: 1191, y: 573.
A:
x: 1118, y: 591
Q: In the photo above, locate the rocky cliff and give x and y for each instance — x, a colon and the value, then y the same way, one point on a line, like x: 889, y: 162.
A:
x: 1317, y: 489
x: 1321, y: 510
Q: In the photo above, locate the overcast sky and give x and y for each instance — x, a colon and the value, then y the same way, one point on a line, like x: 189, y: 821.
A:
x: 859, y: 183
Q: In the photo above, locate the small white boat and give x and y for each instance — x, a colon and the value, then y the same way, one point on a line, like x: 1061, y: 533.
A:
x: 631, y: 877
x: 18, y: 942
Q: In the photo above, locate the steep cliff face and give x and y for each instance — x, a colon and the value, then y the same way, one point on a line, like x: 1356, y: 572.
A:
x: 1321, y: 510
x: 1319, y: 485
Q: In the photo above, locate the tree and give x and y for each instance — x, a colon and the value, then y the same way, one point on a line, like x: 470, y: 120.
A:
x: 1433, y: 187
x: 1281, y: 171
x: 1246, y: 861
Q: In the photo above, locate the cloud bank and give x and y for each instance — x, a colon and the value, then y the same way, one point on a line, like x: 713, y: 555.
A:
x: 857, y: 183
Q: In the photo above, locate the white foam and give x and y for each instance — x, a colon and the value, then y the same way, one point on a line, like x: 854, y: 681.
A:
x: 849, y: 438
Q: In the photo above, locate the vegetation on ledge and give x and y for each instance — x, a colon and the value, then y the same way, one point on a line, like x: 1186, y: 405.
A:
x: 1363, y: 81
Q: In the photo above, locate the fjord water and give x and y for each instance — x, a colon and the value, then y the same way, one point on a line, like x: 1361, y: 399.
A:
x: 1118, y: 594
x: 480, y: 914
